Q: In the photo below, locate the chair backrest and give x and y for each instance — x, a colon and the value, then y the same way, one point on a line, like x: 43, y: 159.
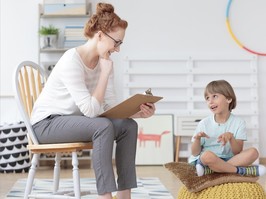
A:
x: 29, y: 79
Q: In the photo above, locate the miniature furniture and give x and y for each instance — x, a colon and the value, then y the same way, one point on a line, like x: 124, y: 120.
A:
x: 186, y: 127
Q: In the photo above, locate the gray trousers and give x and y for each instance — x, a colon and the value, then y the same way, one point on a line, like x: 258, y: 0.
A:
x: 102, y: 132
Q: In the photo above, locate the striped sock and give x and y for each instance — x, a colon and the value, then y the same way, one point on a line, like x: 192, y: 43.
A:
x: 203, y: 170
x: 207, y: 170
x: 249, y: 170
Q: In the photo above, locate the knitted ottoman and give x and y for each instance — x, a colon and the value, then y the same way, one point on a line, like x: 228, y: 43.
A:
x: 216, y: 185
x: 244, y: 190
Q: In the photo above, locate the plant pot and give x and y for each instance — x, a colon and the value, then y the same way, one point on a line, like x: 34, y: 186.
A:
x: 48, y: 41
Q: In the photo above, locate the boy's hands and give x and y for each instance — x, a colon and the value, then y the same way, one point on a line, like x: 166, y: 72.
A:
x: 200, y: 135
x: 225, y: 137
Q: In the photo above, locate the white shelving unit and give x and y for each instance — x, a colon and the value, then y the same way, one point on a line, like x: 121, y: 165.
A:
x: 48, y: 57
x: 181, y: 81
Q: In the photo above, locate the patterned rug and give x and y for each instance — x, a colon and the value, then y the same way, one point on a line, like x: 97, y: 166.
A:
x: 148, y: 188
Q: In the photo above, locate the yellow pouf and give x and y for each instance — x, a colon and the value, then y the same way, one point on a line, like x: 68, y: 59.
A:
x: 234, y: 190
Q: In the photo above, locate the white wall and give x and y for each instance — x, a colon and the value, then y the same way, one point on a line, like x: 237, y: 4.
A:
x: 166, y: 28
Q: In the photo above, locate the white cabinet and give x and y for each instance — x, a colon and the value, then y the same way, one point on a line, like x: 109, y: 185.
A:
x: 181, y: 81
x: 70, y: 35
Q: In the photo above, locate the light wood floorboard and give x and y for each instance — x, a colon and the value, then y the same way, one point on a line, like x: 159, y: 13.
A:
x: 168, y: 179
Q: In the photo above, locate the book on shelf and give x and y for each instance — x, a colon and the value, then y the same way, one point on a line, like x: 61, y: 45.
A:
x: 74, y: 35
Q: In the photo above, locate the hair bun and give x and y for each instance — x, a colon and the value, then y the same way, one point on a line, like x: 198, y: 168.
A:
x: 104, y: 8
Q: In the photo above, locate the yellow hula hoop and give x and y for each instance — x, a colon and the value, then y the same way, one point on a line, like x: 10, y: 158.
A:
x: 233, y: 35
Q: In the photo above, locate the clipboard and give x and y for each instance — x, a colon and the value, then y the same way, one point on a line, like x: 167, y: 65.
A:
x: 130, y: 106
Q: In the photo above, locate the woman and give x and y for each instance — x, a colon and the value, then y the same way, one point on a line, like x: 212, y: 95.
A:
x: 80, y: 88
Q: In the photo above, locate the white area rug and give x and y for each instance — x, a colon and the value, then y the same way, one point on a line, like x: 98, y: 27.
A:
x: 148, y: 188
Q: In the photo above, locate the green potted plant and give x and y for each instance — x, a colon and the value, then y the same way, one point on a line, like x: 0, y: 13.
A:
x: 49, y: 36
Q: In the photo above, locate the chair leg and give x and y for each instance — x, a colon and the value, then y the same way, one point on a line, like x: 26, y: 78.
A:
x: 75, y: 174
x: 31, y: 175
x: 91, y: 151
x: 56, y: 172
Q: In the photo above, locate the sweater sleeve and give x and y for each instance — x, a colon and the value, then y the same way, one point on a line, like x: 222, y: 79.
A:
x: 110, y: 97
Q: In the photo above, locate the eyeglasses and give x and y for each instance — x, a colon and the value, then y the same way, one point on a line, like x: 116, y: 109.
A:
x: 117, y: 42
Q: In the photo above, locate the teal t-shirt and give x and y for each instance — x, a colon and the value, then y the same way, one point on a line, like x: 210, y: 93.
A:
x: 234, y: 125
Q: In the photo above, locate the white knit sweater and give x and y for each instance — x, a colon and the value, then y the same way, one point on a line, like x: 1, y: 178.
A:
x: 68, y: 90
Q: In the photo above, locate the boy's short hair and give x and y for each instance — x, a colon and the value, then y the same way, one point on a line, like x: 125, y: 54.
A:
x: 224, y: 88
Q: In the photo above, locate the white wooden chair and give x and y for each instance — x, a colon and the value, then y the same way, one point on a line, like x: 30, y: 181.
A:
x: 29, y: 80
x: 185, y: 128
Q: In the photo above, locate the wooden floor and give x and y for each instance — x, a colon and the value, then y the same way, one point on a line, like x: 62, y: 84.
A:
x: 167, y: 178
